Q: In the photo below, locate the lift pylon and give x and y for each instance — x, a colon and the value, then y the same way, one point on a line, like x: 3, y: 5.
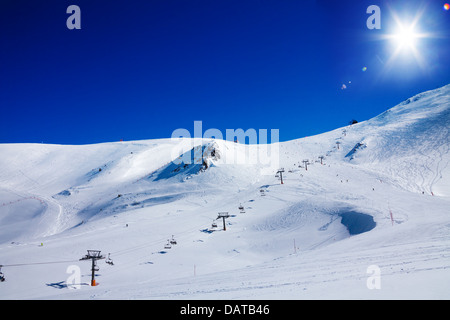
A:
x: 223, y: 215
x: 94, y: 255
x: 281, y: 174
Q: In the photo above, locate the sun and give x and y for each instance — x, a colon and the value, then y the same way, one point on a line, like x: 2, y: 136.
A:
x: 405, y: 40
x: 406, y: 37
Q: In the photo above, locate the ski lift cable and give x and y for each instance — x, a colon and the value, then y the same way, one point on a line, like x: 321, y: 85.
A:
x: 117, y: 253
x: 145, y: 245
x: 120, y: 252
x: 138, y: 247
x: 142, y: 246
x: 36, y: 263
x: 153, y: 242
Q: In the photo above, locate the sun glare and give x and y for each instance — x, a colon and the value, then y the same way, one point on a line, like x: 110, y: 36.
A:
x: 405, y: 40
x: 406, y: 37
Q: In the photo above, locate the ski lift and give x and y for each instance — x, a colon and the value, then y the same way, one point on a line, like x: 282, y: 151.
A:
x: 262, y: 192
x: 2, y: 276
x: 241, y: 208
x: 168, y: 246
x: 109, y: 260
x: 214, y: 224
x: 173, y: 241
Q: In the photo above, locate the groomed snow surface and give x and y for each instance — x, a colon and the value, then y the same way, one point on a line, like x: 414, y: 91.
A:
x: 371, y: 222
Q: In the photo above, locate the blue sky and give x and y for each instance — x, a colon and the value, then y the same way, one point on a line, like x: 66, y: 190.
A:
x: 141, y: 69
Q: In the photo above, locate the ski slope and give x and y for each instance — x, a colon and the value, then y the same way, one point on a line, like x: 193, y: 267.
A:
x: 387, y: 179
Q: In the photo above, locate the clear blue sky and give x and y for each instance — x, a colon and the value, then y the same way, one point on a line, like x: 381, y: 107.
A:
x: 141, y: 69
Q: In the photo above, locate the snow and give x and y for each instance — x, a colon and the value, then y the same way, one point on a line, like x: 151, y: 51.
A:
x: 129, y: 198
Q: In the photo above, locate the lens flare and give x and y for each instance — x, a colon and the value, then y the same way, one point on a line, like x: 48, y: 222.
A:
x: 447, y: 6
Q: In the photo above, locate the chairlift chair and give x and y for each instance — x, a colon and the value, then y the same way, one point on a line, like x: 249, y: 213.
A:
x: 109, y: 260
x: 173, y: 241
x: 214, y: 224
x: 2, y: 276
x: 168, y: 246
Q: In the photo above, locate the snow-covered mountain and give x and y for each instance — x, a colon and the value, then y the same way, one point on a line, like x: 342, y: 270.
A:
x: 379, y: 198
